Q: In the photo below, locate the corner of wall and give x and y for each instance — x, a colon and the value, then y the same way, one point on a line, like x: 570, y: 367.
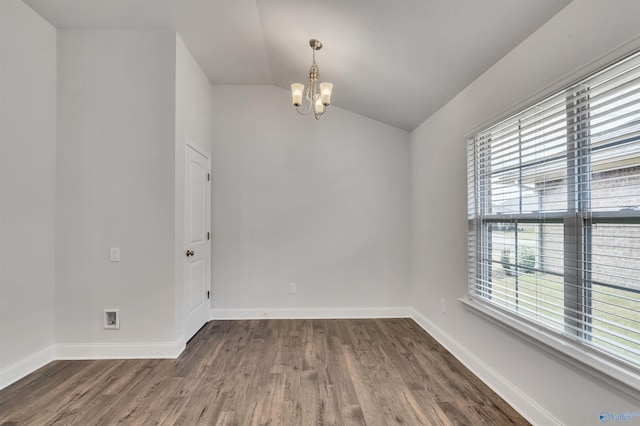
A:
x: 26, y: 366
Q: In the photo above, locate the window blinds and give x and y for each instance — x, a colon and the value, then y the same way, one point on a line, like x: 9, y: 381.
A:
x: 554, y: 213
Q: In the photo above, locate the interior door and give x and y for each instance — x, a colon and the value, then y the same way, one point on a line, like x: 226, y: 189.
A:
x: 197, y: 246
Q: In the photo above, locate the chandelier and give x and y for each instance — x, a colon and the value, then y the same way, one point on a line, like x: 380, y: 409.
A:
x: 318, y: 94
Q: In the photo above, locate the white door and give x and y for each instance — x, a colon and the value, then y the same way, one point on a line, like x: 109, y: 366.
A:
x: 197, y: 234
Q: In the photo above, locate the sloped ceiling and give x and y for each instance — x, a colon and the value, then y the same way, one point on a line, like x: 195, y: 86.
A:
x: 394, y: 61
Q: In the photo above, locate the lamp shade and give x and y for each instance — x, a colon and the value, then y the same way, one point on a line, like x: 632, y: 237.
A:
x: 325, y: 92
x: 318, y: 105
x: 296, y: 93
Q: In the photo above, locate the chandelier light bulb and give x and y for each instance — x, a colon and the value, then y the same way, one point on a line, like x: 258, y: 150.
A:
x: 325, y: 92
x: 318, y: 105
x: 296, y: 93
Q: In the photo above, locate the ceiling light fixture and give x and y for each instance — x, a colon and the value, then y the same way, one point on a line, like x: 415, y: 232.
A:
x: 318, y: 94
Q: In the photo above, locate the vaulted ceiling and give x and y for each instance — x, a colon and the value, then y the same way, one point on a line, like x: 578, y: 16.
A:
x: 394, y: 61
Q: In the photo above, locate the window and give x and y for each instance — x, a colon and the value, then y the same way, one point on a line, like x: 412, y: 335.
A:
x: 554, y: 214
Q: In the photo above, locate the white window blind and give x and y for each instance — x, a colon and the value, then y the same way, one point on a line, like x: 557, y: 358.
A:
x: 554, y: 213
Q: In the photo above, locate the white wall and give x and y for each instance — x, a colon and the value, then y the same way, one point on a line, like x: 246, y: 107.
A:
x: 115, y: 188
x: 584, y: 31
x: 323, y: 204
x: 27, y: 191
x: 194, y: 114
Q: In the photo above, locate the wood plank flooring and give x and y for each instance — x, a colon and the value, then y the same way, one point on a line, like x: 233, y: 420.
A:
x: 268, y: 372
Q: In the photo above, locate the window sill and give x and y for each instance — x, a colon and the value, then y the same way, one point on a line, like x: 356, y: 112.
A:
x: 615, y: 375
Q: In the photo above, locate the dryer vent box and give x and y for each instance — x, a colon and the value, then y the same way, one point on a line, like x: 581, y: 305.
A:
x: 111, y: 319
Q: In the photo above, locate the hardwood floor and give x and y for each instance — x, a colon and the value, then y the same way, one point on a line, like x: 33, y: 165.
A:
x: 268, y: 372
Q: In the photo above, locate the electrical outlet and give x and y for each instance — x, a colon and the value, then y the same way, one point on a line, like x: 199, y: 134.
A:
x: 443, y: 305
x: 114, y: 254
x: 292, y: 288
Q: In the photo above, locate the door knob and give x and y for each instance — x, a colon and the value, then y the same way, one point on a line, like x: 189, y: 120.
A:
x: 190, y: 253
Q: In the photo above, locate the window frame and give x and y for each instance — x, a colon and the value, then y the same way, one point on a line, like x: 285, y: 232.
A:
x: 577, y: 222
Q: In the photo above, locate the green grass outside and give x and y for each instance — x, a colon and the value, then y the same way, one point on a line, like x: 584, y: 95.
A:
x: 540, y: 297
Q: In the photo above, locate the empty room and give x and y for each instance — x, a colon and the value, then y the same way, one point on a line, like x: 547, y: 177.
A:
x: 340, y: 212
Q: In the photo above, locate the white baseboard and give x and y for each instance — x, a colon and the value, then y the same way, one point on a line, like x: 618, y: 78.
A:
x: 527, y: 407
x: 160, y: 350
x: 310, y: 313
x: 25, y: 366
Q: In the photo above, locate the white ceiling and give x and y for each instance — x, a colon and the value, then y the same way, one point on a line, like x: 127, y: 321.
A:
x: 395, y: 61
